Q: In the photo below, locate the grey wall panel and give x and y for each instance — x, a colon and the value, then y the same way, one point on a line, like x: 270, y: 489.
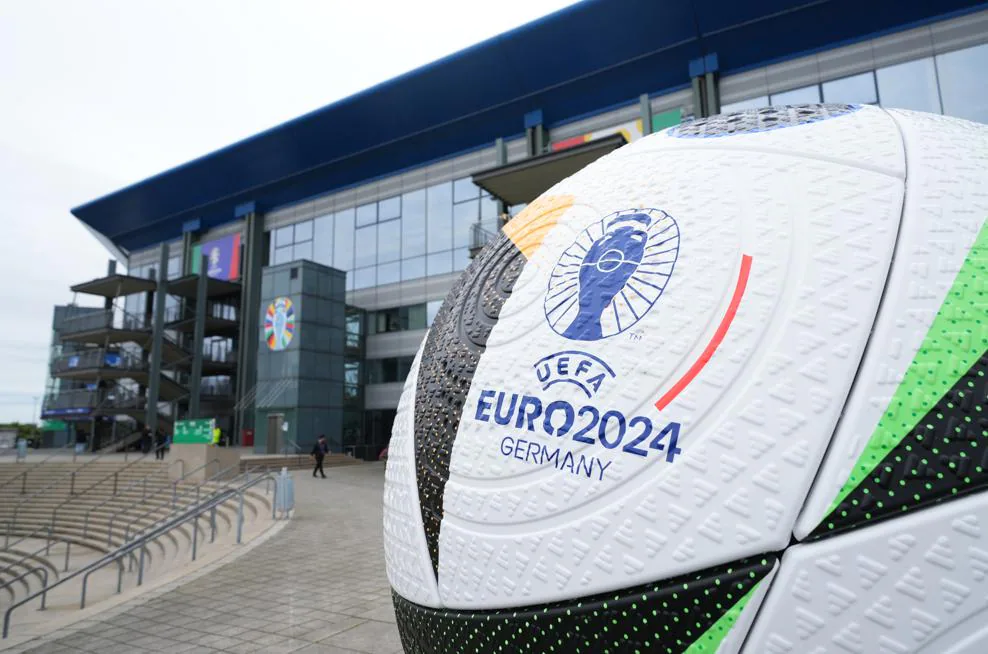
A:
x: 382, y: 396
x: 396, y: 344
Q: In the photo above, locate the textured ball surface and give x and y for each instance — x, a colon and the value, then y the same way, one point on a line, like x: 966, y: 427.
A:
x: 722, y: 390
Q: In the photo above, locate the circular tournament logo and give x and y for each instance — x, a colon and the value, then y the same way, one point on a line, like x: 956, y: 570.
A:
x: 279, y: 324
x: 612, y: 274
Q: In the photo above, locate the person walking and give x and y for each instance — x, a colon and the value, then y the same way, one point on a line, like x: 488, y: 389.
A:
x: 159, y: 445
x: 319, y: 451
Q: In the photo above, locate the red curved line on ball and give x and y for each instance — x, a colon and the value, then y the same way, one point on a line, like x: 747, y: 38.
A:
x: 715, y: 340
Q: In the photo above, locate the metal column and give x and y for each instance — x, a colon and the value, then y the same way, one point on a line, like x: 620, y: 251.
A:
x: 248, y: 336
x: 500, y: 158
x: 111, y: 270
x: 645, y: 106
x: 195, y: 382
x: 706, y: 94
x: 157, y: 341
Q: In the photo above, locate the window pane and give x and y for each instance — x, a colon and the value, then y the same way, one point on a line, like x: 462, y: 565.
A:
x: 282, y: 255
x: 465, y: 215
x: 388, y: 209
x: 343, y: 243
x: 375, y: 373
x: 431, y: 309
x: 753, y: 103
x: 322, y: 247
x: 912, y: 85
x: 365, y: 278
x: 962, y: 83
x: 464, y: 189
x: 283, y: 236
x: 856, y: 89
x: 413, y: 224
x: 389, y: 241
x: 488, y: 208
x: 302, y: 251
x: 805, y: 95
x: 303, y: 231
x: 461, y: 258
x: 365, y: 248
x: 404, y: 367
x: 440, y: 263
x: 389, y: 273
x: 413, y: 268
x: 440, y: 200
x: 516, y: 209
x: 416, y: 316
x: 367, y: 214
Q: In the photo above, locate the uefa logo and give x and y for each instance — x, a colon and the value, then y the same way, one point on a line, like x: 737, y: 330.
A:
x: 612, y: 274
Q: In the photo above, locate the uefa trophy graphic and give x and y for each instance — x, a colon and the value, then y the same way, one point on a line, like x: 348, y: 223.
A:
x: 612, y: 274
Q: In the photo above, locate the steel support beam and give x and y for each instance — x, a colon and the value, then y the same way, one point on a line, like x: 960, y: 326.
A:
x: 645, y: 105
x: 250, y: 312
x: 157, y: 341
x: 711, y: 95
x: 199, y: 333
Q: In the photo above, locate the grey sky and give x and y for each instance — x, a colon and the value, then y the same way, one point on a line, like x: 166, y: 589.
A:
x: 97, y: 94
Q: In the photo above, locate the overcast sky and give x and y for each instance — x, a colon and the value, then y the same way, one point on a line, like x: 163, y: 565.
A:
x: 95, y: 95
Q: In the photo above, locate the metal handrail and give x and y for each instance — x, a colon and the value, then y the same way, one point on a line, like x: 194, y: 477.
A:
x: 85, y: 527
x: 139, y: 544
x: 174, y: 499
x: 68, y: 544
x: 198, y: 488
x: 44, y: 582
x: 12, y: 522
x: 33, y: 466
x: 115, y: 475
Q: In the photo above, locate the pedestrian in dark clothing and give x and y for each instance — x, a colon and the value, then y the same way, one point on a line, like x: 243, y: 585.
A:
x: 159, y: 445
x: 319, y: 451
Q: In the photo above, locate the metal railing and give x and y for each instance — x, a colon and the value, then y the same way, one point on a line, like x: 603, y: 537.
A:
x: 98, y: 358
x: 12, y: 522
x: 22, y: 475
x: 214, y: 309
x: 114, y: 318
x: 152, y: 532
x: 68, y: 548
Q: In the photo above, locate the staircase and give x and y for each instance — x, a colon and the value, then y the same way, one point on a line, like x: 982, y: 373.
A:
x: 51, y: 523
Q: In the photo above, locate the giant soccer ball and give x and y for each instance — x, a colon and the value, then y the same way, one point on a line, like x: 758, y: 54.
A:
x: 722, y: 390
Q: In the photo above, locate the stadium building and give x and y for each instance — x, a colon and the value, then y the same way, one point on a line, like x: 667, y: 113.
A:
x: 329, y: 242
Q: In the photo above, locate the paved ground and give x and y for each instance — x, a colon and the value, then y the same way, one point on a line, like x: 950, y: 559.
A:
x: 317, y: 587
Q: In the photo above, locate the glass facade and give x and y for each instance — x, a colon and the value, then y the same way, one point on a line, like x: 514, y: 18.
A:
x: 951, y: 83
x: 417, y: 234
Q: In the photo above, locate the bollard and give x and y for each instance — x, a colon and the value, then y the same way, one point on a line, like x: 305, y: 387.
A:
x: 72, y: 485
x: 212, y: 526
x: 140, y: 566
x: 120, y: 570
x: 48, y: 542
x: 240, y: 518
x: 195, y: 535
x: 68, y: 548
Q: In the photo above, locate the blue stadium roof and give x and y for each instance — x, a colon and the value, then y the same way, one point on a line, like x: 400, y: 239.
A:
x: 593, y: 55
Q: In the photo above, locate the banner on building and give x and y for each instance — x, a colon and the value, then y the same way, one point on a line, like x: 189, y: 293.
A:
x: 223, y: 257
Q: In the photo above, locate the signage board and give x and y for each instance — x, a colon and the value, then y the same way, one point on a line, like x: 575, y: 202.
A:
x: 194, y: 431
